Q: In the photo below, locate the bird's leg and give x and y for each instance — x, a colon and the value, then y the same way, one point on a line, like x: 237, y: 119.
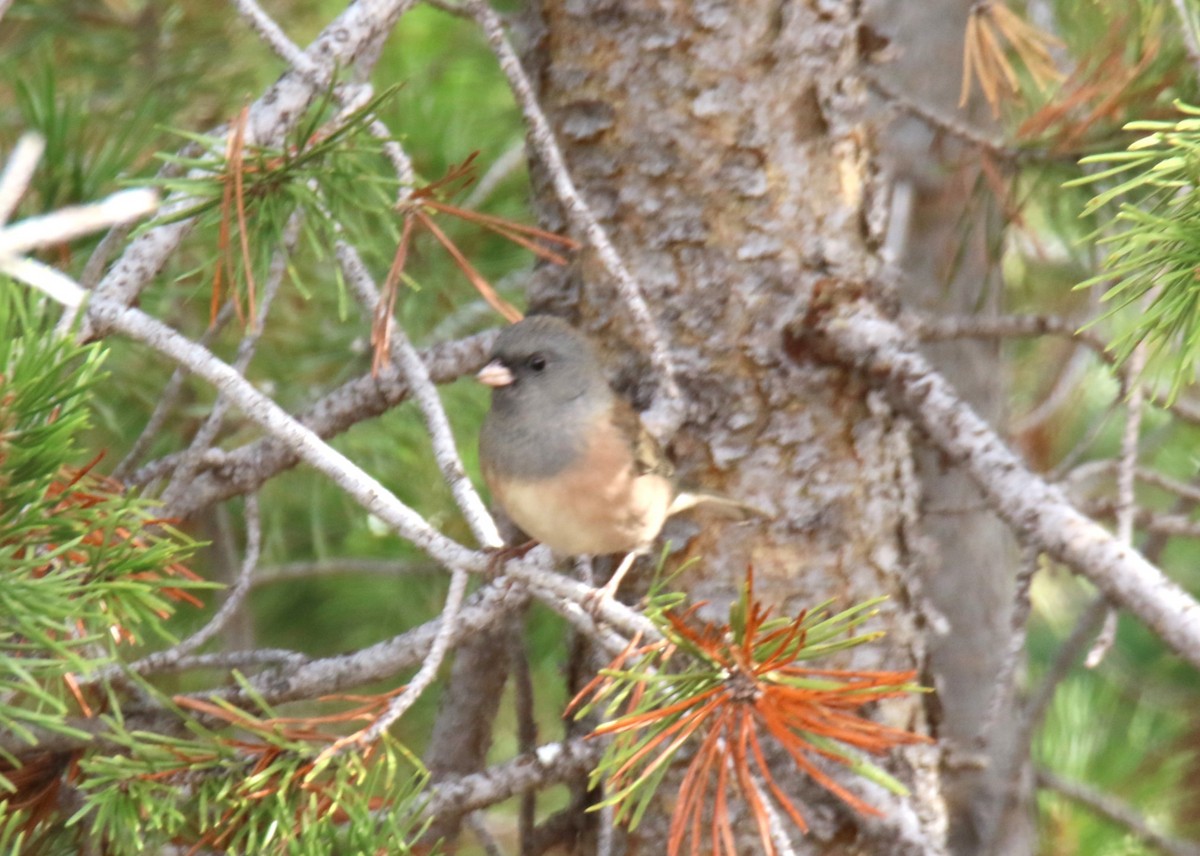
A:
x: 614, y: 582
x: 503, y: 554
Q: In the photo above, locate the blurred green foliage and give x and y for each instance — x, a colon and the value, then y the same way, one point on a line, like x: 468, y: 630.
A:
x: 1129, y: 728
x: 111, y: 84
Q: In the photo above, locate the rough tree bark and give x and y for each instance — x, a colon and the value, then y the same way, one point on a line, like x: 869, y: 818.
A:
x: 726, y: 147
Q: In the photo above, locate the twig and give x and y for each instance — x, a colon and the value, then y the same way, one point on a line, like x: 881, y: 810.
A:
x: 478, y: 826
x: 1126, y: 475
x: 501, y: 168
x: 950, y: 125
x: 1065, y: 384
x: 1010, y: 766
x: 274, y: 36
x: 1116, y: 811
x: 668, y: 410
x: 1005, y: 683
x: 1156, y: 522
x: 855, y: 333
x: 1029, y: 326
x: 94, y: 268
x: 190, y: 462
x: 247, y: 468
x: 483, y: 527
x: 550, y: 764
x: 166, y: 402
x: 271, y: 574
x: 385, y: 659
x: 161, y: 660
x: 527, y: 731
x: 424, y: 677
x: 69, y: 223
x: 229, y: 660
x: 19, y: 168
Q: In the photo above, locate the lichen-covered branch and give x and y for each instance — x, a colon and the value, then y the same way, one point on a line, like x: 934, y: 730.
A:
x: 855, y: 333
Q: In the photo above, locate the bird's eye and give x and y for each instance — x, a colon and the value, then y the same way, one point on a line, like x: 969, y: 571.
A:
x: 537, y: 362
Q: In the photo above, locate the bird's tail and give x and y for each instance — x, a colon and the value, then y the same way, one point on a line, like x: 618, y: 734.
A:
x: 689, y: 499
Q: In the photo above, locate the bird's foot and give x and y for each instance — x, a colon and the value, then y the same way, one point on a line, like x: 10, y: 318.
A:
x: 501, y: 555
x: 609, y: 592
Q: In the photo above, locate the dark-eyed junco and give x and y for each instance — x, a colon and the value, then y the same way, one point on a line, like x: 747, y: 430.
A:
x: 565, y: 456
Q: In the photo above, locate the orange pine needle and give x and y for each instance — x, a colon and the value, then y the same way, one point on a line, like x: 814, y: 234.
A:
x: 749, y: 694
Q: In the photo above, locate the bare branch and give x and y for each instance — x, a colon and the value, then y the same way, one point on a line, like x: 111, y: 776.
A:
x: 1120, y: 813
x: 384, y: 659
x: 247, y: 468
x: 504, y: 166
x: 952, y: 125
x: 69, y: 223
x: 233, y: 602
x: 478, y: 826
x: 1006, y: 327
x: 426, y: 675
x: 1005, y: 684
x: 274, y: 36
x: 227, y: 660
x: 202, y: 441
x: 855, y: 333
x: 166, y: 402
x: 18, y: 169
x: 550, y: 764
x: 1028, y: 326
x: 1126, y: 475
x: 483, y: 527
x: 271, y: 574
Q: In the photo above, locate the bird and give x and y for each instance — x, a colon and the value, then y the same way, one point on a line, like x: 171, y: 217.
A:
x: 565, y: 456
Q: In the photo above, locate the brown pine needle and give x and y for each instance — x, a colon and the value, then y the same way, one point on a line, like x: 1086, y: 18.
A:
x: 385, y: 311
x: 506, y: 309
x: 991, y: 26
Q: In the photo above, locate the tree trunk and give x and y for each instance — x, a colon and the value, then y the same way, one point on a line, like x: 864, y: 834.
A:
x: 726, y: 149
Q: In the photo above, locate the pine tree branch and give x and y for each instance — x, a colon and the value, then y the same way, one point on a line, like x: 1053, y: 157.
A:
x: 268, y: 121
x: 405, y: 356
x: 550, y: 764
x: 163, y: 660
x: 855, y: 333
x: 245, y: 469
x: 1031, y: 326
x: 271, y: 574
x: 1134, y: 396
x: 1118, y: 812
x: 206, y: 434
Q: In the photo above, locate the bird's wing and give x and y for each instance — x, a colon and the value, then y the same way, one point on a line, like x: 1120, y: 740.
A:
x: 648, y: 456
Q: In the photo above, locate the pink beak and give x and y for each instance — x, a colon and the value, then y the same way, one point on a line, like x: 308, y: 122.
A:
x: 495, y: 374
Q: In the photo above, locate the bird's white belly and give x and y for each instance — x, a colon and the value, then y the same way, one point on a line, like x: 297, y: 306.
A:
x: 613, y: 515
